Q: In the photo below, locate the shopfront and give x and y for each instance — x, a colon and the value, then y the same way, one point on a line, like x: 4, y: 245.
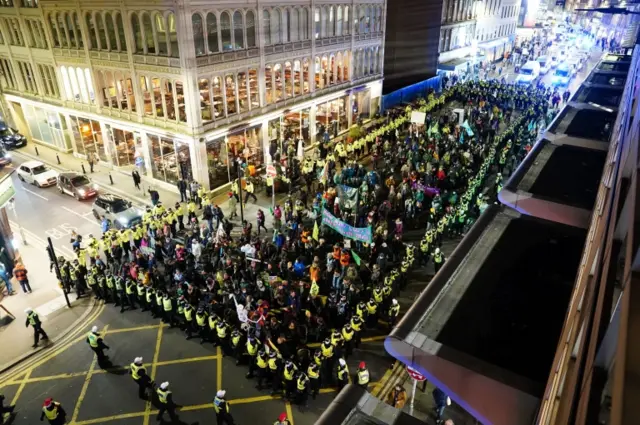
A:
x: 88, y: 138
x: 332, y: 117
x: 494, y: 50
x: 47, y: 127
x: 238, y: 147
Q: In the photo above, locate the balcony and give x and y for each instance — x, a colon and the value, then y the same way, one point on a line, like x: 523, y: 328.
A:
x: 227, y: 57
x: 287, y: 47
x: 111, y: 57
x: 156, y: 61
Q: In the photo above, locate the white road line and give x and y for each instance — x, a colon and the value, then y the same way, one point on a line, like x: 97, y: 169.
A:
x: 33, y: 193
x: 81, y: 216
x: 87, y: 214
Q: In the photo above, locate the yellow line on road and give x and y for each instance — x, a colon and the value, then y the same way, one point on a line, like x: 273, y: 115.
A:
x: 188, y: 360
x: 154, y: 367
x: 18, y: 392
x: 219, y: 369
x: 114, y: 418
x: 137, y: 328
x: 87, y: 380
x: 289, y: 413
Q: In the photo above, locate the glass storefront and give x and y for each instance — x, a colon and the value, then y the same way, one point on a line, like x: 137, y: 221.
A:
x: 332, y: 117
x: 88, y: 137
x: 361, y: 107
x: 224, y: 154
x: 170, y: 159
x: 296, y: 126
x: 126, y: 149
x: 47, y: 127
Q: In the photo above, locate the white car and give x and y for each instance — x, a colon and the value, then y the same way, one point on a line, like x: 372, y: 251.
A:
x: 37, y: 173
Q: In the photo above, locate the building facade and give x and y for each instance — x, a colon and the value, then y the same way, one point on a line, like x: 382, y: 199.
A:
x: 188, y: 88
x: 496, y: 25
x: 457, y: 31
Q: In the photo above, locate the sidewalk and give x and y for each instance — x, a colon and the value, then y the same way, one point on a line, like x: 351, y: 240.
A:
x: 47, y: 300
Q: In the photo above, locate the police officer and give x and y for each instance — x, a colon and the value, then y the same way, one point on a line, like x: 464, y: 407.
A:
x: 130, y: 289
x: 140, y: 292
x: 302, y: 393
x: 438, y: 259
x: 188, y: 320
x: 53, y: 411
x: 274, y: 371
x: 392, y: 315
x: 139, y: 374
x: 327, y: 350
x: 347, y: 334
x: 362, y: 375
x: 252, y: 350
x: 201, y: 321
x: 282, y: 420
x: 343, y: 373
x: 166, y: 403
x: 236, y: 345
x: 372, y: 313
x: 118, y: 282
x: 263, y: 365
x: 222, y: 333
x: 97, y: 344
x: 288, y: 373
x: 356, y: 325
x: 221, y: 407
x: 213, y: 320
x: 313, y: 372
x: 34, y: 320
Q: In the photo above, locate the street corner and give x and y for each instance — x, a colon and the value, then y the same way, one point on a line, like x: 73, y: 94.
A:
x: 130, y: 343
x: 192, y: 383
x: 29, y: 401
x: 70, y: 359
x: 108, y: 395
x: 174, y: 346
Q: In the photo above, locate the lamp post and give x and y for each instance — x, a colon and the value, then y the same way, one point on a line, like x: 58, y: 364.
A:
x: 239, y: 167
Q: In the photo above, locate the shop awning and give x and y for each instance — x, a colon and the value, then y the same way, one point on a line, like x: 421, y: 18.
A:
x: 493, y: 43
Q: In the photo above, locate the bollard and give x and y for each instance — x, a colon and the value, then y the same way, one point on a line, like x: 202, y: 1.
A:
x: 110, y: 178
x: 37, y: 153
x: 83, y: 170
x: 58, y: 158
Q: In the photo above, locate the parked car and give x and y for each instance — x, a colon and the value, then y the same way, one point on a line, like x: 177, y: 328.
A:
x: 5, y: 157
x: 10, y: 138
x: 77, y: 185
x: 545, y: 64
x: 36, y: 173
x: 118, y: 212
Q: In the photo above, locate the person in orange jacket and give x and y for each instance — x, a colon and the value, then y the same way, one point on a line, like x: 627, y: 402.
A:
x: 336, y: 252
x: 345, y: 258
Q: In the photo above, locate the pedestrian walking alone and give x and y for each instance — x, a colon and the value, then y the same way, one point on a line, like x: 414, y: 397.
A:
x: 136, y: 178
x: 20, y: 272
x: 97, y: 345
x: 34, y: 320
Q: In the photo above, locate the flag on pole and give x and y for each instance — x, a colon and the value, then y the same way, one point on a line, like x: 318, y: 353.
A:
x: 316, y: 231
x: 355, y: 256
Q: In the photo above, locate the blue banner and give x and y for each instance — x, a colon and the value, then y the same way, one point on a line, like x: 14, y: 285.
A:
x: 362, y: 234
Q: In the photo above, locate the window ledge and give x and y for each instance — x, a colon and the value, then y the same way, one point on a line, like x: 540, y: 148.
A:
x: 156, y: 60
x: 216, y: 58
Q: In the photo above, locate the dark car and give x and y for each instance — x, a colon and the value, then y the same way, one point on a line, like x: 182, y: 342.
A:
x: 5, y: 157
x: 118, y: 212
x: 77, y: 185
x: 10, y: 138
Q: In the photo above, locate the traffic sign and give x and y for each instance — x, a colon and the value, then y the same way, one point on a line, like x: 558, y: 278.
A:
x: 415, y: 374
x: 271, y: 171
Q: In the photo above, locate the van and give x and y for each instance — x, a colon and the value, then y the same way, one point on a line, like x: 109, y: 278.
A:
x: 562, y: 75
x: 545, y: 64
x: 528, y: 73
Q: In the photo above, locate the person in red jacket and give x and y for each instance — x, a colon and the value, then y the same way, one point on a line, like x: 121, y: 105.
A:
x: 20, y: 272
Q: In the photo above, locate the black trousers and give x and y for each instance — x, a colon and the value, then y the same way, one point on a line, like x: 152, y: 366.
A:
x: 37, y: 332
x: 170, y: 409
x: 224, y: 418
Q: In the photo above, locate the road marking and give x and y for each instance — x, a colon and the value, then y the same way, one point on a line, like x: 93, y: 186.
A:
x: 87, y: 214
x: 289, y: 413
x: 154, y: 367
x: 81, y: 216
x: 33, y: 193
x: 87, y: 380
x: 19, y: 391
x: 138, y: 328
x: 219, y: 369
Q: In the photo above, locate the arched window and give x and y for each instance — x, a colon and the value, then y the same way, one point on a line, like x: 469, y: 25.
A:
x: 64, y: 42
x: 250, y: 24
x: 66, y: 82
x: 339, y: 21
x: 111, y: 32
x: 198, y: 34
x: 174, y: 51
x: 319, y: 74
x: 266, y: 24
x: 148, y: 34
x: 73, y: 43
x: 294, y: 24
x: 54, y: 30
x: 238, y: 30
x: 297, y: 84
x: 102, y: 35
x: 275, y: 26
x: 122, y: 42
x: 78, y: 31
x: 305, y: 75
x: 324, y: 18
x: 316, y: 23
x: 332, y: 77
x: 212, y: 33
x: 346, y: 23
x: 304, y: 24
x: 379, y: 19
x: 361, y: 19
x: 345, y: 66
x: 331, y: 24
x: 286, y: 25
x: 161, y: 29
x: 93, y: 38
x: 137, y: 33
x: 225, y: 31
x: 339, y: 71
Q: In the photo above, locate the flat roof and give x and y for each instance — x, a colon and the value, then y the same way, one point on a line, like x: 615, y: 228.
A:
x: 584, y: 122
x: 608, y: 79
x: 613, y: 66
x: 609, y: 97
x: 487, y: 327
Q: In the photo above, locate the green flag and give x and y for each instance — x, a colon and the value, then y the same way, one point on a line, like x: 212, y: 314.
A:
x: 355, y: 256
x: 316, y: 231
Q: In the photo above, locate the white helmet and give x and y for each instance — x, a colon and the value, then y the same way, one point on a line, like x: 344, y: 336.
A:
x: 137, y: 360
x: 28, y: 310
x: 164, y: 385
x: 94, y: 329
x: 437, y: 250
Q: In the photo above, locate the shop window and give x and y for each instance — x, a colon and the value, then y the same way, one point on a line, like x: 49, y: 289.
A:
x: 111, y: 32
x: 339, y: 74
x: 254, y: 94
x: 251, y: 29
x: 225, y: 32
x: 230, y: 93
x: 268, y: 83
x: 148, y: 34
x: 305, y: 76
x: 146, y: 96
x: 170, y: 160
x: 288, y: 79
x: 205, y: 100
x: 169, y: 105
x: 173, y: 36
x: 161, y: 28
x: 297, y: 85
x: 218, y: 99
x: 326, y: 72
x: 182, y: 111
x: 322, y: 116
x: 238, y: 31
x: 245, y: 148
x: 243, y: 97
x: 126, y: 145
x: 157, y: 97
x: 89, y: 137
x: 266, y: 23
x: 278, y: 81
x: 304, y: 23
x: 275, y: 27
x: 217, y: 163
x: 212, y: 34
x: 295, y: 126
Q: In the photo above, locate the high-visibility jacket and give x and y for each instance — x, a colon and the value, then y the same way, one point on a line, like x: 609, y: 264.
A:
x: 149, y: 295
x: 252, y: 349
x: 235, y: 339
x: 336, y: 339
x: 109, y: 282
x: 135, y: 370
x: 438, y: 258
x: 158, y: 299
x: 140, y: 288
x: 312, y: 372
x: 343, y: 372
x: 394, y: 310
x: 372, y: 307
x: 363, y: 377
x: 273, y: 363
x: 213, y: 321
x: 377, y: 295
x: 201, y: 319
x: 288, y: 373
x: 32, y: 318
x: 93, y: 340
x: 167, y: 304
x: 220, y: 405
x: 302, y: 383
x: 356, y: 325
x: 163, y: 396
x: 261, y: 362
x: 188, y: 314
x: 52, y: 414
x: 327, y: 352
x: 221, y: 330
x: 347, y: 336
